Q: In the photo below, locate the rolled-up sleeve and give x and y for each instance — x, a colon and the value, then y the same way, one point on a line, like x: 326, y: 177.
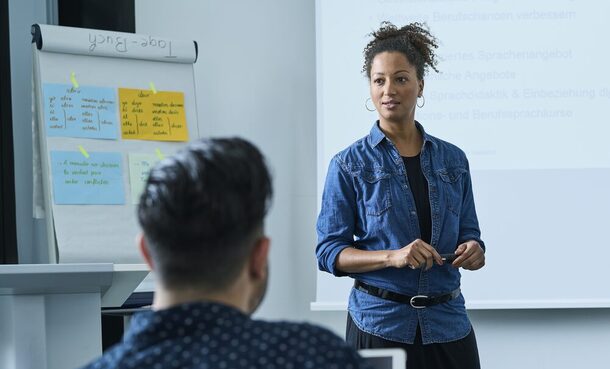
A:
x: 469, y: 223
x: 337, y: 216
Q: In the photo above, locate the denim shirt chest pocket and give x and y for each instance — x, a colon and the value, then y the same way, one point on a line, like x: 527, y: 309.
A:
x: 453, y: 187
x: 373, y: 186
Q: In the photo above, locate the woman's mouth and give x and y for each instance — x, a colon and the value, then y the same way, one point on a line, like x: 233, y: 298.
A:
x: 390, y: 104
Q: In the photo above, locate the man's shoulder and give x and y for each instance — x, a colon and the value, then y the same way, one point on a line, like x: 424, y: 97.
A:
x: 261, y: 343
x: 312, y: 342
x: 290, y: 326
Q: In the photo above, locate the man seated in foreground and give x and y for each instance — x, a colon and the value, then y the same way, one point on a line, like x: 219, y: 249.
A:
x: 202, y: 215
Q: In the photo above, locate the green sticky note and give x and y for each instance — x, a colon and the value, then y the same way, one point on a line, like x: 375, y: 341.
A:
x: 139, y: 167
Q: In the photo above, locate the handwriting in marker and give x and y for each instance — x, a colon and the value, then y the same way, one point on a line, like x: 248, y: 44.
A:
x: 152, y: 87
x: 73, y: 80
x: 83, y: 151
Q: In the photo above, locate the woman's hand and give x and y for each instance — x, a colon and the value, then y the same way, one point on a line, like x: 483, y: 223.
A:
x: 470, y: 256
x: 415, y: 255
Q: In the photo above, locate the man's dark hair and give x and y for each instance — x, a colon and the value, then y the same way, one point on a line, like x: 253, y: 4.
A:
x: 414, y: 41
x: 203, y: 209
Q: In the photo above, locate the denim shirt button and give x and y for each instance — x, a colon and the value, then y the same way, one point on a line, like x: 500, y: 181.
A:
x: 413, y: 212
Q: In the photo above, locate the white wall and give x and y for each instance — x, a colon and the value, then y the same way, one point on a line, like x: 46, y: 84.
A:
x: 523, y: 339
x: 543, y: 339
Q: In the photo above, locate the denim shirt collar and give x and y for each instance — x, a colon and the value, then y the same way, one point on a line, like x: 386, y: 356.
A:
x: 376, y: 135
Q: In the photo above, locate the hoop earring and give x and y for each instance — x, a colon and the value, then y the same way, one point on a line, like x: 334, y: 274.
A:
x: 366, y: 104
x: 423, y: 101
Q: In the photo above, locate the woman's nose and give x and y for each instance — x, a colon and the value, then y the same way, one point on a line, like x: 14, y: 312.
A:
x: 389, y: 89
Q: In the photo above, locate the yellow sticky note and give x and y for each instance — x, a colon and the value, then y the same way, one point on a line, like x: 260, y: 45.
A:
x: 149, y: 116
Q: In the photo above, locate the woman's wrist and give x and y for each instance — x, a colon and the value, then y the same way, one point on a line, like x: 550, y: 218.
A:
x: 389, y: 259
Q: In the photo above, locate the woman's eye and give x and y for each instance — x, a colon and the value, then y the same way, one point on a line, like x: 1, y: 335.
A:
x: 378, y: 81
x: 402, y: 79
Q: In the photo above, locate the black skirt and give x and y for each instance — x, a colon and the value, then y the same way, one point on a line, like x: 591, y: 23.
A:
x: 460, y: 354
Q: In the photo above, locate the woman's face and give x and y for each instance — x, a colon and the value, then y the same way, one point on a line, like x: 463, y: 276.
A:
x: 394, y: 87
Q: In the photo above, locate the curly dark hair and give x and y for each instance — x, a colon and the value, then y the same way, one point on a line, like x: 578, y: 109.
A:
x: 414, y: 41
x: 202, y: 210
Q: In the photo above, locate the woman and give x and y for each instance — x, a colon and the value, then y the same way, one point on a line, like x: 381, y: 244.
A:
x: 393, y: 203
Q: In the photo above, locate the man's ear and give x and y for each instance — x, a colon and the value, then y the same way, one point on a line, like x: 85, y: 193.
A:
x: 259, y: 258
x: 143, y: 246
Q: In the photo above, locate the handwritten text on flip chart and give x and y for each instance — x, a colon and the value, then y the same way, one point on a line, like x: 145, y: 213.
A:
x: 122, y: 43
x: 87, y: 111
x: 78, y: 180
x: 152, y: 116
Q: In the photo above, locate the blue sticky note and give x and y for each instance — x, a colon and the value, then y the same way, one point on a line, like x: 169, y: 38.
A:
x: 77, y: 180
x: 87, y: 111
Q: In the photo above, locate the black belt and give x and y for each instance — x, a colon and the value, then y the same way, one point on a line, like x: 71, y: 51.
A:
x: 418, y: 302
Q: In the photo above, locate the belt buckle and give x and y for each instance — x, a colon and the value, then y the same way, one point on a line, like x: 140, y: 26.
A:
x: 414, y: 300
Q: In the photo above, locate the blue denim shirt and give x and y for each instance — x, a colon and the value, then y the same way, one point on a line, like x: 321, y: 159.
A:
x: 367, y: 204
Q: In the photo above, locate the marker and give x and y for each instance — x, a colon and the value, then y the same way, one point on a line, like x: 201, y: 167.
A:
x: 449, y: 258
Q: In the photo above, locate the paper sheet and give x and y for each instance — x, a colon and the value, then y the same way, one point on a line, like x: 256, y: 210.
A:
x: 152, y: 116
x: 78, y: 180
x: 139, y: 167
x: 87, y: 111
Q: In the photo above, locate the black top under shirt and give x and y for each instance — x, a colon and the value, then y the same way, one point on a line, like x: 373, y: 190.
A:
x: 419, y: 189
